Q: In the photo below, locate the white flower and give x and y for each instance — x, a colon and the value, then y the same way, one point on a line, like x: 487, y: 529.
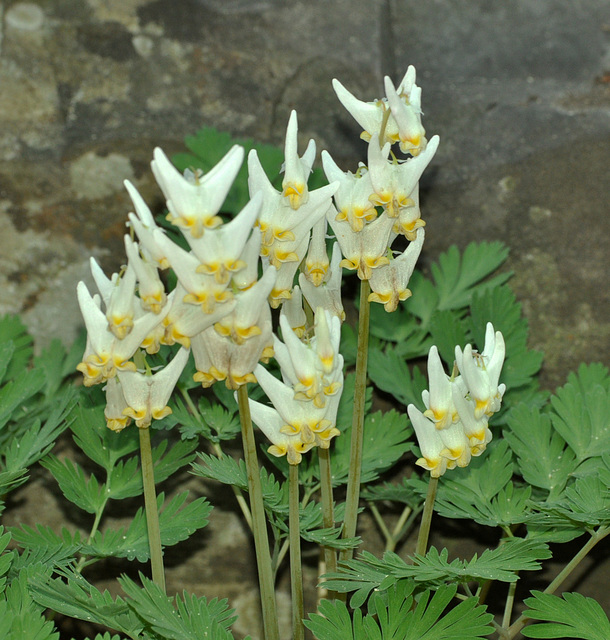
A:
x: 314, y: 369
x: 402, y: 124
x: 287, y: 217
x: 364, y: 250
x: 394, y: 182
x: 441, y: 449
x: 389, y: 282
x: 105, y: 354
x: 439, y: 399
x: 152, y: 292
x: 118, y: 295
x: 185, y: 320
x: 232, y: 348
x: 203, y: 290
x: 316, y: 262
x: 405, y: 105
x: 269, y: 421
x: 296, y: 170
x: 328, y: 294
x: 299, y: 417
x: 430, y: 443
x: 218, y: 250
x: 143, y: 223
x: 409, y: 218
x: 194, y: 200
x: 116, y: 419
x: 292, y: 309
x: 352, y: 198
x: 146, y: 396
x: 481, y: 372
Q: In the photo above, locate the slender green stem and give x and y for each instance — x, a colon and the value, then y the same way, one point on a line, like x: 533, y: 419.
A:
x: 508, y: 607
x: 355, y: 465
x: 328, y: 511
x: 596, y: 537
x: 381, y: 524
x: 259, y: 522
x: 152, y: 513
x: 426, y: 519
x: 296, y: 571
x: 404, y: 524
x: 82, y: 561
x: 239, y: 496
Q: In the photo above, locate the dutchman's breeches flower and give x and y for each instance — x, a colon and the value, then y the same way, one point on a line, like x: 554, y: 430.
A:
x: 146, y: 395
x: 395, y: 118
x: 364, y: 250
x: 394, y: 181
x: 194, y: 200
x: 328, y: 294
x: 389, y: 282
x: 455, y: 425
x: 481, y: 372
x: 233, y: 347
x: 105, y: 354
x: 352, y: 198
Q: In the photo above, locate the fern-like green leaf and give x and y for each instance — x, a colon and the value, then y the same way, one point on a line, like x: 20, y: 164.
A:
x: 571, y: 616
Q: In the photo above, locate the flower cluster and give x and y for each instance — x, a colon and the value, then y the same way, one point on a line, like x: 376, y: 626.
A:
x: 305, y: 403
x: 218, y: 308
x: 381, y: 201
x: 454, y: 426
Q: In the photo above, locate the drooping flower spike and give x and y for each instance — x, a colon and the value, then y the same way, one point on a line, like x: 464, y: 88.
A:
x: 481, y: 372
x: 395, y: 118
x: 454, y: 427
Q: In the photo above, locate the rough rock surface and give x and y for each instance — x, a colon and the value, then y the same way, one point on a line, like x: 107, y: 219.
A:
x: 519, y: 92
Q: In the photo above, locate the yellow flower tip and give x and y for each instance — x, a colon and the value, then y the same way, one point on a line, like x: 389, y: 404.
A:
x: 120, y: 326
x: 332, y: 389
x: 117, y: 424
x: 123, y: 365
x: 267, y: 354
x: 350, y: 263
x: 208, y: 378
x: 212, y: 222
x: 299, y: 331
x: 383, y: 199
x: 234, y: 382
x: 319, y: 401
x: 435, y: 467
x: 243, y: 333
x: 277, y: 295
x: 291, y: 429
x: 281, y: 256
x: 295, y: 193
x: 277, y: 450
x: 316, y: 273
x: 159, y: 414
x: 223, y: 329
